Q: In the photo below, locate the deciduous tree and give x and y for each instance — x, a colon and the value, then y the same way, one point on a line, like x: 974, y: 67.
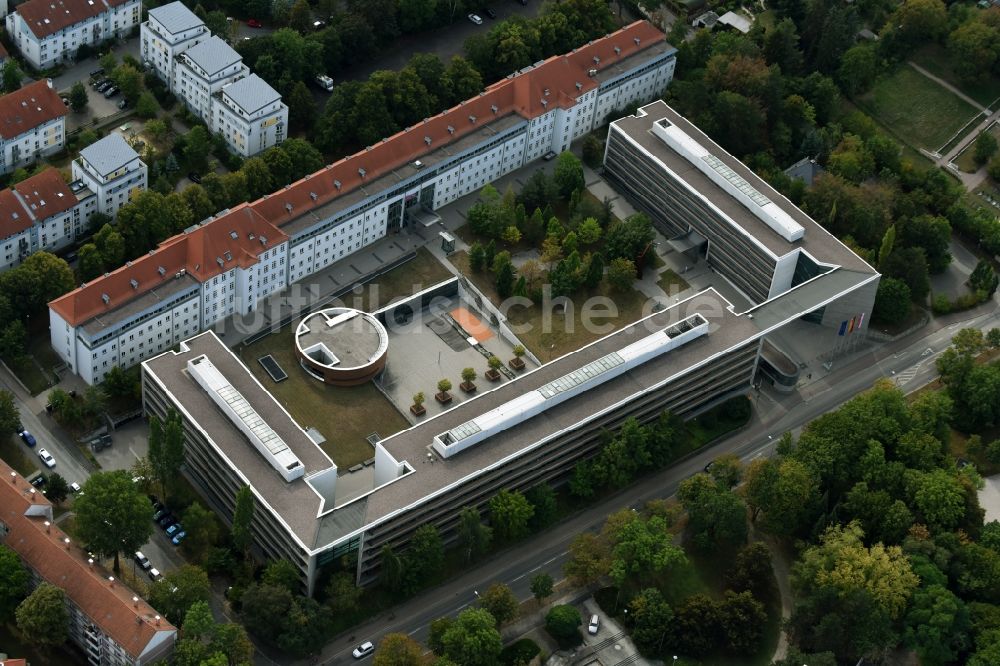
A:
x: 510, y: 514
x: 112, y: 515
x: 13, y: 582
x: 43, y: 616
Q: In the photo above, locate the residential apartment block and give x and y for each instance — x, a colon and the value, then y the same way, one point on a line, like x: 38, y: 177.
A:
x: 110, y: 624
x: 535, y: 428
x: 113, y: 170
x: 32, y: 124
x: 250, y: 115
x: 229, y: 262
x: 212, y: 81
x: 169, y: 31
x: 48, y: 32
x: 42, y: 213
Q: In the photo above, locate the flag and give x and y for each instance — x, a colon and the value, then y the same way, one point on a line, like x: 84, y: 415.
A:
x: 861, y: 319
x: 843, y: 328
x: 850, y: 326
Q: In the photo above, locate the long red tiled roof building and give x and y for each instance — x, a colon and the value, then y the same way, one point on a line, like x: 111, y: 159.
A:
x: 225, y: 265
x: 108, y: 622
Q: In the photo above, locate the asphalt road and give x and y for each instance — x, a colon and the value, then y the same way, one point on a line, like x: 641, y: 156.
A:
x: 907, y: 361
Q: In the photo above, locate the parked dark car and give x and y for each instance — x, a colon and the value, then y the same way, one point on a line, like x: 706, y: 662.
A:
x: 194, y: 177
x: 97, y: 72
x: 111, y: 92
x: 39, y: 481
x: 489, y: 11
x: 167, y: 520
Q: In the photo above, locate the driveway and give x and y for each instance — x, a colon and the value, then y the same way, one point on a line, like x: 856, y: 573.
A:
x: 989, y: 497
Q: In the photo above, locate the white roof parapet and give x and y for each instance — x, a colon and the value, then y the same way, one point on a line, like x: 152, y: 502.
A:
x: 731, y: 182
x: 245, y: 418
x: 582, y: 379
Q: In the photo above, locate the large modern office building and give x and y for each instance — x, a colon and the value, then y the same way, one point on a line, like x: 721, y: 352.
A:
x: 226, y: 264
x: 110, y: 624
x: 537, y: 427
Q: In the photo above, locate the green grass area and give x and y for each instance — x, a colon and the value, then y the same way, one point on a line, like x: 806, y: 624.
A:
x: 910, y: 154
x: 934, y: 58
x: 30, y: 375
x: 564, y: 331
x: 344, y: 415
x: 915, y: 109
x: 966, y: 159
x: 672, y: 283
x: 15, y: 453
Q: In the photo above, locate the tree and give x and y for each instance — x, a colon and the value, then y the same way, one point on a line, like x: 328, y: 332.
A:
x: 203, y: 640
x: 938, y: 498
x: 78, y: 97
x: 589, y: 231
x: 983, y: 278
x: 281, y: 573
x: 43, y: 616
x: 641, y: 548
x: 973, y: 50
x: 40, y: 278
x: 436, y: 631
x: 128, y: 79
x: 242, y: 519
x: 301, y: 104
x: 628, y: 238
x: 173, y: 450
x: 398, y: 650
x: 424, y: 558
x: 541, y: 587
x: 751, y: 570
x: 937, y: 625
x: 568, y: 174
x: 146, y: 105
x: 651, y: 618
x: 858, y: 69
x: 9, y: 415
x: 112, y: 515
x: 892, y: 301
x: 202, y: 530
x: 473, y: 640
x: 589, y: 558
x: 473, y: 535
x: 986, y: 148
x: 178, y: 590
x: 197, y: 145
x: 500, y: 601
x: 543, y: 500
x: 505, y: 280
x: 14, y: 580
x: 11, y: 76
x: 510, y: 513
x: 563, y: 622
x: 621, y: 274
x: 57, y: 488
x: 716, y: 515
x: 300, y: 18
x: 343, y: 596
x: 264, y: 609
x: 111, y: 245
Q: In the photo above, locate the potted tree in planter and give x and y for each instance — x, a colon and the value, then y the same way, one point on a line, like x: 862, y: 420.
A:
x: 468, y: 376
x: 493, y: 374
x: 442, y: 395
x: 517, y: 363
x: 417, y: 408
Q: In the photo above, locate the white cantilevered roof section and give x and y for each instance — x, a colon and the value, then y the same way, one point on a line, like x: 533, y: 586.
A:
x: 731, y: 182
x: 245, y: 418
x: 574, y: 383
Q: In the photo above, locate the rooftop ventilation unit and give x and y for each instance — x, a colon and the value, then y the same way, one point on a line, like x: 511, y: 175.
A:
x: 545, y: 103
x: 427, y: 140
x: 472, y: 119
x: 336, y: 184
x: 451, y: 130
x: 233, y: 235
x: 362, y: 172
x: 495, y: 109
x: 134, y: 283
x: 636, y: 40
x: 591, y: 72
x: 579, y: 86
x: 288, y: 207
x: 246, y: 419
x: 105, y: 298
x: 618, y: 51
x: 219, y: 261
x: 417, y: 164
x: 597, y: 60
x: 313, y: 196
x: 161, y: 270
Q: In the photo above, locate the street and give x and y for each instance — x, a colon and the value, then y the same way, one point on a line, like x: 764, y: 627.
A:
x: 547, y: 551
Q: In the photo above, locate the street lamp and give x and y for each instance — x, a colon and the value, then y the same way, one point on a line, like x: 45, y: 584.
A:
x: 476, y: 592
x: 675, y: 658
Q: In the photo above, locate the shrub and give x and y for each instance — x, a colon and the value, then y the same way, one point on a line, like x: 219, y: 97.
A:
x: 563, y: 624
x: 519, y: 652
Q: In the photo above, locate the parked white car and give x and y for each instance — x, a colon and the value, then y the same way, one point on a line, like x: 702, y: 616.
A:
x: 363, y: 650
x: 47, y: 458
x: 475, y: 19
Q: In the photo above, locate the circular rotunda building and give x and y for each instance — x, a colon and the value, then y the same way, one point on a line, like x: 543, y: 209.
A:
x: 341, y: 346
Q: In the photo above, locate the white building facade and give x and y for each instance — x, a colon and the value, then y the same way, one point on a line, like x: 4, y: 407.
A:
x: 309, y: 226
x: 42, y: 213
x: 168, y: 32
x: 32, y: 125
x: 203, y: 70
x: 250, y: 115
x: 113, y: 170
x: 48, y: 32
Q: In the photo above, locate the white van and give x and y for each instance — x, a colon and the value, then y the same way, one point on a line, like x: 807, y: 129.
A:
x: 594, y: 626
x: 324, y: 82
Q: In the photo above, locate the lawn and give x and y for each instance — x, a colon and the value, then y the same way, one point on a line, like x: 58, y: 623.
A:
x: 345, y: 416
x: 915, y: 109
x: 966, y: 159
x: 15, y: 453
x: 30, y: 375
x: 672, y: 283
x: 565, y: 332
x: 915, y: 157
x: 935, y: 60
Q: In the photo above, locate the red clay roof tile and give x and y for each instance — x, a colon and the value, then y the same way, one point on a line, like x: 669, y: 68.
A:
x: 131, y: 624
x: 46, y: 17
x: 29, y: 107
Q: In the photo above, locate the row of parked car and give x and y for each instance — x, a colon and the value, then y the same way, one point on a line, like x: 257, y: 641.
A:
x: 165, y: 519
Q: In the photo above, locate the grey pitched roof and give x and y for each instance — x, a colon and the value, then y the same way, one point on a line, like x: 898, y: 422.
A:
x: 251, y: 93
x: 213, y: 55
x: 109, y: 154
x: 175, y: 17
